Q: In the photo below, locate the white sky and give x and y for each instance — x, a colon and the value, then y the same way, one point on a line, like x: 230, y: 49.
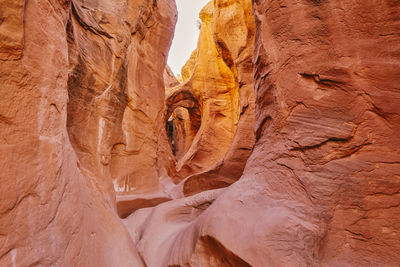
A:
x: 186, y: 33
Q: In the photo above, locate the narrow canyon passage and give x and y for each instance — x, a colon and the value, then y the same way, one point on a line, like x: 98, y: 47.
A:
x: 276, y: 145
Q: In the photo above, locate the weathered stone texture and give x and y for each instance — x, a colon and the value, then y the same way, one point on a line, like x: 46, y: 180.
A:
x: 65, y: 84
x: 321, y: 187
x: 83, y: 112
x: 217, y: 84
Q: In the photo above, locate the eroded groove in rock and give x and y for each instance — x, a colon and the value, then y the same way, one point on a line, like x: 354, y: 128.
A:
x: 116, y: 105
x: 210, y: 252
x: 170, y: 229
x: 126, y: 204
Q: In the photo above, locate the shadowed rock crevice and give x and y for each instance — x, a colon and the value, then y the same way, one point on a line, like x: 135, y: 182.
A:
x: 126, y: 205
x: 182, y: 127
x: 184, y: 120
x: 210, y: 252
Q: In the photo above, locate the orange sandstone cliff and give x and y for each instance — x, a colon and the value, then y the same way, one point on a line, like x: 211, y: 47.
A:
x: 279, y: 147
x: 218, y: 93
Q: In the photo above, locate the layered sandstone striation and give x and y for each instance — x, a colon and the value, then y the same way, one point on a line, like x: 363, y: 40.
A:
x: 210, y: 93
x: 82, y: 95
x: 321, y: 187
x: 327, y: 152
x: 233, y: 32
x: 89, y: 134
x: 116, y: 95
x: 116, y: 101
x: 213, y: 108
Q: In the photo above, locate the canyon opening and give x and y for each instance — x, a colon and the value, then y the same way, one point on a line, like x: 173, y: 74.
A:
x: 272, y: 140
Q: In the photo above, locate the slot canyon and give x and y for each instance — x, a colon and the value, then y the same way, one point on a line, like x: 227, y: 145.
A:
x: 278, y: 145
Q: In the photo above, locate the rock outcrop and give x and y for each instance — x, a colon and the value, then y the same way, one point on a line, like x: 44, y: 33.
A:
x: 85, y: 124
x: 116, y: 101
x: 82, y: 95
x: 327, y: 152
x: 169, y: 78
x: 116, y: 96
x: 214, y: 105
x: 233, y: 29
x: 321, y: 187
x: 210, y: 92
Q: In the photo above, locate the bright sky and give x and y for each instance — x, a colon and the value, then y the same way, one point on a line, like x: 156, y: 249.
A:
x: 186, y: 33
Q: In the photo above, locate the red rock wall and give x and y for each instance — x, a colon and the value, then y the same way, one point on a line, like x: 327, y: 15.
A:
x: 327, y: 97
x: 82, y: 106
x: 116, y: 108
x: 69, y: 76
x: 321, y: 187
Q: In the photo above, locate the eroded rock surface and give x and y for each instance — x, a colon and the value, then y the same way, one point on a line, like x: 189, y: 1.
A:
x: 116, y: 97
x: 217, y: 87
x: 169, y: 78
x: 83, y: 112
x: 77, y: 79
x: 233, y: 27
x: 327, y: 152
x: 213, y: 87
x: 321, y: 187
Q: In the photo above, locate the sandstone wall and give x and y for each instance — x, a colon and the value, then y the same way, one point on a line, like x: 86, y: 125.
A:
x: 218, y: 76
x: 83, y: 112
x: 213, y: 87
x: 321, y: 186
x: 74, y: 76
x: 116, y: 107
x: 327, y: 97
x: 233, y: 28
